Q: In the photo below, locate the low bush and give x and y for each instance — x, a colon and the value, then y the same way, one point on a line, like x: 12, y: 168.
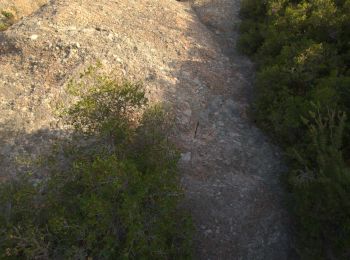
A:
x: 302, y: 53
x: 119, y: 196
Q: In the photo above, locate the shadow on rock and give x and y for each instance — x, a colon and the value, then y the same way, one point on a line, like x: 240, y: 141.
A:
x: 34, y: 153
x: 231, y: 172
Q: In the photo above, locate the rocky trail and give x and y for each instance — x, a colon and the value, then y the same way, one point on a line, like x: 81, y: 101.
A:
x: 184, y: 52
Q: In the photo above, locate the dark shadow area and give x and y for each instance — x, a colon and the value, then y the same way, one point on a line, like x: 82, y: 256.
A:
x: 7, y: 46
x: 34, y: 153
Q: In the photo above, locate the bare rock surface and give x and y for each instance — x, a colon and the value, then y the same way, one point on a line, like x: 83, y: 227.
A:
x: 184, y: 54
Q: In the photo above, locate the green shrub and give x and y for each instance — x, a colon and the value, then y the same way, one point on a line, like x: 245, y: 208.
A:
x: 321, y: 189
x: 119, y: 196
x: 251, y: 27
x: 301, y: 48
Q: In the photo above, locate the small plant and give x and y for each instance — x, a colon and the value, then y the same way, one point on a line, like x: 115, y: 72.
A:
x: 7, y: 20
x: 3, y: 26
x: 118, y: 198
x: 9, y: 16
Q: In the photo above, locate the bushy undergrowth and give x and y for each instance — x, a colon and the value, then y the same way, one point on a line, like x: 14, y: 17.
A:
x: 119, y: 195
x: 302, y: 52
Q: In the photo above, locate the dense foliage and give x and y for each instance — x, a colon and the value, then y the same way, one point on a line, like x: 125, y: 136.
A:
x: 302, y: 52
x: 117, y: 198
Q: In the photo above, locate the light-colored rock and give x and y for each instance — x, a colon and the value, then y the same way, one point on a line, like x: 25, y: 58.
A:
x: 34, y: 37
x: 186, y: 157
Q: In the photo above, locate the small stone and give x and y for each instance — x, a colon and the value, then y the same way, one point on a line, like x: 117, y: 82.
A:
x: 188, y: 112
x: 197, y: 81
x: 209, y: 231
x: 34, y: 37
x: 186, y: 157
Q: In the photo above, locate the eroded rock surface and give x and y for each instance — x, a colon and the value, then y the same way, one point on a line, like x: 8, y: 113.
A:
x: 184, y: 53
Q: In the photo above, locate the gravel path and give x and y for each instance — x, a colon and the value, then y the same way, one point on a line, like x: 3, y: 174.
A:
x: 233, y: 171
x: 184, y: 53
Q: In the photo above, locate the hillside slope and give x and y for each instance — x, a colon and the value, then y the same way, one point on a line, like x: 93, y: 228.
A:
x: 183, y: 56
